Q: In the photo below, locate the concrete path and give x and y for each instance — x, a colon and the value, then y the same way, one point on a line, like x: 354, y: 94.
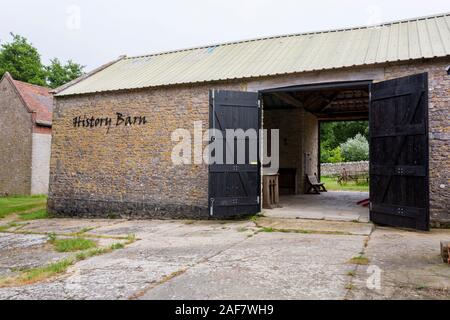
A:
x: 334, y: 205
x: 267, y: 259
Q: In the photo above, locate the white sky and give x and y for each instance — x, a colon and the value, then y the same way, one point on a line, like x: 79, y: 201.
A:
x: 93, y: 32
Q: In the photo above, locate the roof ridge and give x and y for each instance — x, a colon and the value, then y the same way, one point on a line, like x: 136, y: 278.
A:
x: 407, y: 20
x: 32, y: 84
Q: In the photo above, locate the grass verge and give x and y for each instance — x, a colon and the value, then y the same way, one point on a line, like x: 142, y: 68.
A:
x: 20, y: 204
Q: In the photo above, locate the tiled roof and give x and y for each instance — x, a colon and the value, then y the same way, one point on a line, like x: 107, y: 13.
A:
x: 36, y: 98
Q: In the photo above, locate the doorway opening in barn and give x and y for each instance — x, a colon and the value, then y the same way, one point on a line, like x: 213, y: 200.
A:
x: 313, y: 123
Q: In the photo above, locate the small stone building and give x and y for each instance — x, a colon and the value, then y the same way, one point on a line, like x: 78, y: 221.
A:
x: 112, y: 128
x: 25, y: 140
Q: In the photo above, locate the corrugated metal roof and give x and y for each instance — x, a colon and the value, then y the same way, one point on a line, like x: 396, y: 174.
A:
x: 419, y: 38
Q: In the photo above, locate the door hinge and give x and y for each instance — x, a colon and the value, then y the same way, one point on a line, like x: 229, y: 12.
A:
x: 211, y: 207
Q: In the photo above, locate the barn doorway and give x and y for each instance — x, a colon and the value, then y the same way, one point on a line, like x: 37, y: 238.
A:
x: 302, y: 114
x: 397, y: 112
x: 398, y: 138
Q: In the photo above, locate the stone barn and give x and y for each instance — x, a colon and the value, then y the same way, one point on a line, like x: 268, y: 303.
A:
x: 113, y: 128
x: 26, y: 134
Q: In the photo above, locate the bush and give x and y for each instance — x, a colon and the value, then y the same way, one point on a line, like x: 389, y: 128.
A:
x: 355, y: 149
x: 331, y: 156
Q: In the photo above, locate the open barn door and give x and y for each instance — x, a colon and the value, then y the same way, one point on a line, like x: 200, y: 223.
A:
x: 399, y: 186
x: 234, y: 186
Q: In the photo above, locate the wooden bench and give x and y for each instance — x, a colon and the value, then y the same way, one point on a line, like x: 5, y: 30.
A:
x: 314, y: 186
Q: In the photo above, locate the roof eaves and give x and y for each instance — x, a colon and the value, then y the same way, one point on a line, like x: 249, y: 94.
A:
x: 85, y: 76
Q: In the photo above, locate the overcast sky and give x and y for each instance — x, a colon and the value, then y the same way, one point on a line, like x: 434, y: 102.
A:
x: 92, y: 32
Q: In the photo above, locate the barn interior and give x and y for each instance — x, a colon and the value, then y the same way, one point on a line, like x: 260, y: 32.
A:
x: 298, y: 112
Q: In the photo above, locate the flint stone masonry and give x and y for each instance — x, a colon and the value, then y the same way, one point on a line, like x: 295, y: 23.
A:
x: 331, y: 169
x: 127, y: 171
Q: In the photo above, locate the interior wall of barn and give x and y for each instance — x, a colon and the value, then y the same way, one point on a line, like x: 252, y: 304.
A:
x: 298, y: 143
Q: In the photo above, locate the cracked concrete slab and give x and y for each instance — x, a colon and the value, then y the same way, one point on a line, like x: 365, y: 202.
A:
x: 65, y: 225
x: 410, y: 266
x: 124, y: 273
x: 24, y: 251
x: 269, y: 266
x: 316, y: 226
x: 232, y: 260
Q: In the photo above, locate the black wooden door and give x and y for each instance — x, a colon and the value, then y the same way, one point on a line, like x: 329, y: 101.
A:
x: 234, y: 186
x: 399, y: 184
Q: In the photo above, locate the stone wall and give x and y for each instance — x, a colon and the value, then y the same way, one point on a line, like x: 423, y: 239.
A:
x: 439, y: 131
x: 40, y: 163
x: 330, y: 169
x: 127, y: 171
x: 290, y: 145
x: 15, y: 142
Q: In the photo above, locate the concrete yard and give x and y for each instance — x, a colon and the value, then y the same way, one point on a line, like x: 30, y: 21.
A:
x: 333, y: 205
x: 264, y: 258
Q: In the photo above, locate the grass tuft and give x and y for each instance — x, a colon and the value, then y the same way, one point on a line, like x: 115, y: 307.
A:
x: 359, y: 260
x: 73, y: 244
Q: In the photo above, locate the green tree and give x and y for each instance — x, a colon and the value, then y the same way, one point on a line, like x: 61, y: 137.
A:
x: 22, y: 60
x: 59, y: 74
x: 355, y: 149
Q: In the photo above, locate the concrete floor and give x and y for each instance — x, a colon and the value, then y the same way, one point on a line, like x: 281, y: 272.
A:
x: 231, y: 260
x: 333, y: 206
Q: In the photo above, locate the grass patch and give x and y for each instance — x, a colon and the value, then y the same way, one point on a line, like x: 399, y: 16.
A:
x: 91, y: 253
x: 34, y: 275
x: 117, y: 246
x: 36, y: 215
x: 359, y: 260
x: 20, y: 204
x: 72, y: 245
x: 332, y: 185
x: 131, y: 238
